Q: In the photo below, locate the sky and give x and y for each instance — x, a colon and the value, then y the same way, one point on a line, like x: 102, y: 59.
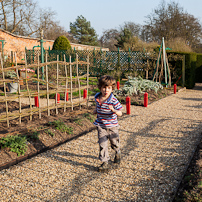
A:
x: 111, y: 14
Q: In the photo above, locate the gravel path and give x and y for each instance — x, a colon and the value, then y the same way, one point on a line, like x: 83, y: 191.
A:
x: 157, y: 143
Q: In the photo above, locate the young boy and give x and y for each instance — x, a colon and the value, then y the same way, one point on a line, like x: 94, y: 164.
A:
x: 107, y: 110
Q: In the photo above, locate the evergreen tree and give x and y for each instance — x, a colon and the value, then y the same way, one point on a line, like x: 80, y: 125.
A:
x: 83, y: 32
x: 124, y: 37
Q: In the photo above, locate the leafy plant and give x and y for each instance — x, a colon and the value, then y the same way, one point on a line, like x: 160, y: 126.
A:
x: 89, y: 117
x: 11, y: 74
x: 61, y: 126
x: 139, y: 85
x: 17, y: 144
x: 34, y: 135
x: 49, y: 132
x: 78, y: 121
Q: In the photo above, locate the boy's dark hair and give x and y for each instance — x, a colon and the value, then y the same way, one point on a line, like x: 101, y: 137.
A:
x: 106, y: 81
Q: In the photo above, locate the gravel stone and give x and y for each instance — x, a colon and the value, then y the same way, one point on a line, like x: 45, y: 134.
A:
x: 156, y: 143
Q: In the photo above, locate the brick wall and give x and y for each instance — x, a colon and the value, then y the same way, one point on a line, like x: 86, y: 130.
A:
x: 15, y: 43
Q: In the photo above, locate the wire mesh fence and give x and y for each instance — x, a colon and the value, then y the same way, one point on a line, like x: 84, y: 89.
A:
x: 101, y: 62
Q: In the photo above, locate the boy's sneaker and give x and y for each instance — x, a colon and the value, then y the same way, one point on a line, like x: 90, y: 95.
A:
x: 117, y: 158
x: 104, y: 167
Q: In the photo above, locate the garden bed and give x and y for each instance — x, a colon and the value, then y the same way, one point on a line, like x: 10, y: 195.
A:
x: 138, y: 100
x: 42, y: 135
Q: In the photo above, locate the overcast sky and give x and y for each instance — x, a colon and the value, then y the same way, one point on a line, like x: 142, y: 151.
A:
x: 108, y: 14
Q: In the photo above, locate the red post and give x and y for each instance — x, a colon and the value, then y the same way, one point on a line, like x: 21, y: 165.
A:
x: 145, y: 99
x: 118, y: 85
x: 36, y: 99
x: 175, y: 88
x: 67, y: 96
x: 127, y: 105
x: 58, y: 97
x: 84, y: 93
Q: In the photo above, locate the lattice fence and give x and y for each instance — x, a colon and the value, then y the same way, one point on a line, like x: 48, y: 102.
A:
x: 101, y: 62
x: 40, y: 81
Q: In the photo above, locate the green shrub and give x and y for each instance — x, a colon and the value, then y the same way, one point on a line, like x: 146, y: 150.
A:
x: 61, y: 43
x: 17, y: 144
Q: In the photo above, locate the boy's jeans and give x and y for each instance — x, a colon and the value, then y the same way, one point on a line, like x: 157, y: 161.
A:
x: 103, y: 135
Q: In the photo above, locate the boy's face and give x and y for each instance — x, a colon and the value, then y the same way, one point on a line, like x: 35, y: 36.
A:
x: 106, y: 91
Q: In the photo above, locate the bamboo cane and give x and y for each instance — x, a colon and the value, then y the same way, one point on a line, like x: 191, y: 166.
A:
x: 71, y: 81
x: 77, y: 72
x: 38, y: 93
x: 87, y: 78
x: 28, y: 87
x: 169, y: 83
x: 47, y: 87
x: 4, y: 90
x: 42, y: 64
x: 19, y: 97
x: 161, y: 73
x: 56, y: 95
x: 66, y: 83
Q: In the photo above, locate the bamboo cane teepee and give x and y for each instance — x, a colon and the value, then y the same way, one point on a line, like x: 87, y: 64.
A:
x: 163, y: 66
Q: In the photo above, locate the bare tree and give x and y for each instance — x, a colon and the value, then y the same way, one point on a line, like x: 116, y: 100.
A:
x: 170, y: 21
x: 112, y: 38
x: 23, y: 17
x: 108, y: 39
x: 16, y: 14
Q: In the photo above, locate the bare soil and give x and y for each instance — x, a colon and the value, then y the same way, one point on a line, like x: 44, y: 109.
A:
x: 78, y: 120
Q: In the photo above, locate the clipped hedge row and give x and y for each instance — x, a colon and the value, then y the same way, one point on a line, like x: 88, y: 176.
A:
x: 193, y: 68
x: 199, y: 69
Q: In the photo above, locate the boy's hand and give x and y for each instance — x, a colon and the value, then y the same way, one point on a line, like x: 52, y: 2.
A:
x: 117, y: 112
x: 111, y: 108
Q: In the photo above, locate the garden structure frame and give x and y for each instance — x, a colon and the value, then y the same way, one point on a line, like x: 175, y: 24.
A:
x: 56, y: 72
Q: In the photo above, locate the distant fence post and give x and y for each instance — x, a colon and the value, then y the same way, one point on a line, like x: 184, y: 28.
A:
x: 183, y: 71
x: 129, y: 59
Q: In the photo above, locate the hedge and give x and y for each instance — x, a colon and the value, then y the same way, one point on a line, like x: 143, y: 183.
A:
x: 193, y: 68
x: 199, y: 69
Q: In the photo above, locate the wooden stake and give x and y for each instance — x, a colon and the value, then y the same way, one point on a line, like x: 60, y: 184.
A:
x: 56, y: 95
x: 28, y: 88
x: 77, y: 73
x: 161, y: 73
x: 38, y: 93
x: 87, y: 78
x: 70, y: 80
x: 169, y: 83
x: 66, y: 83
x: 4, y: 90
x: 19, y: 97
x: 47, y: 88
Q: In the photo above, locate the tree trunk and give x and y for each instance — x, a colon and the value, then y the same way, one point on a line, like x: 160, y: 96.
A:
x: 5, y: 18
